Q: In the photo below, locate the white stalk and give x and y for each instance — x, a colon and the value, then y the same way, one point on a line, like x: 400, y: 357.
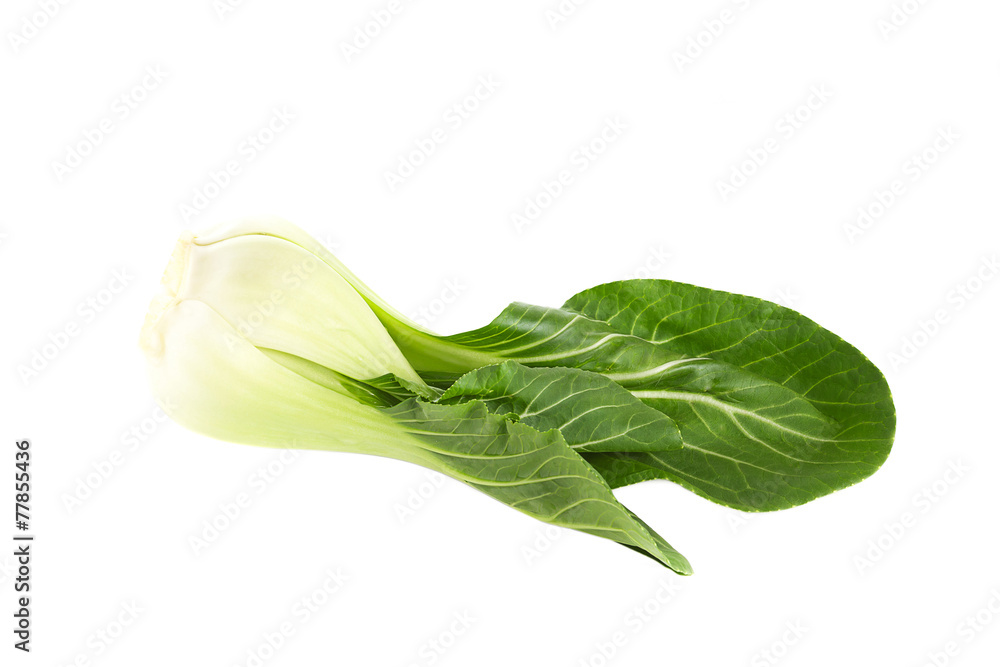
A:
x: 212, y: 380
x: 278, y: 295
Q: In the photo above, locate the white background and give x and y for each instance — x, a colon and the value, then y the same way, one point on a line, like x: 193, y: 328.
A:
x: 650, y: 204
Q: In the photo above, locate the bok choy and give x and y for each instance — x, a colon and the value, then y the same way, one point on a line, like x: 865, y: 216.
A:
x: 263, y: 337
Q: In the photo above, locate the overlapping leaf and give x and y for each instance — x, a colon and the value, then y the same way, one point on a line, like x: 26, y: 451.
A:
x: 533, y: 471
x: 593, y: 413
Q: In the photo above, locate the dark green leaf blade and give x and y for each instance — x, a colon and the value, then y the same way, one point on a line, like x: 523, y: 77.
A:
x: 532, y: 471
x: 593, y: 413
x: 776, y: 344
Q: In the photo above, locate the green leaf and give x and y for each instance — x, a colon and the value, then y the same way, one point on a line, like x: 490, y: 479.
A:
x: 774, y: 411
x: 552, y: 337
x: 836, y: 429
x: 593, y: 413
x: 535, y: 472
